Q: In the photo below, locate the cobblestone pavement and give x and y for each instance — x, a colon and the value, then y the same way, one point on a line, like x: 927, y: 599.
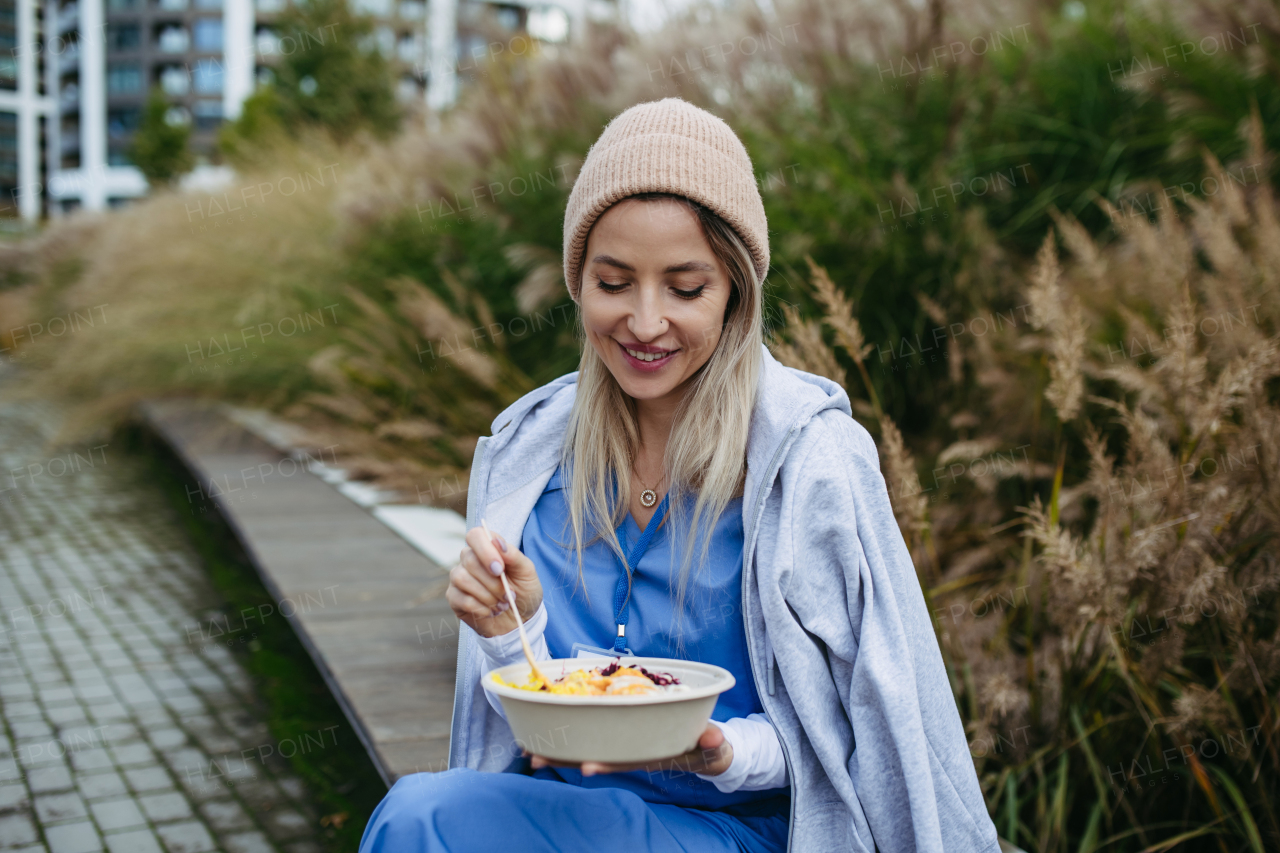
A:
x: 124, y: 726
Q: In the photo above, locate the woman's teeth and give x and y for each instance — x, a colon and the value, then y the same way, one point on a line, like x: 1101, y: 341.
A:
x: 647, y: 356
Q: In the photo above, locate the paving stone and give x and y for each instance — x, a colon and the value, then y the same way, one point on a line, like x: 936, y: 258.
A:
x: 293, y: 787
x: 34, y: 729
x: 147, y: 778
x: 16, y: 829
x: 88, y: 760
x: 45, y: 779
x: 117, y: 814
x: 167, y: 738
x: 12, y: 796
x: 163, y: 807
x: 73, y: 838
x: 187, y: 837
x: 52, y: 808
x: 20, y: 710
x: 302, y: 847
x: 97, y: 786
x: 248, y: 842
x: 137, y: 841
x: 225, y: 815
x: 132, y: 754
x: 285, y: 823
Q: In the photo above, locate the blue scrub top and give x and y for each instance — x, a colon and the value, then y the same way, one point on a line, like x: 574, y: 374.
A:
x: 711, y: 630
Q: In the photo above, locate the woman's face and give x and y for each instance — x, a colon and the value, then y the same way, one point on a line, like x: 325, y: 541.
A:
x: 653, y: 296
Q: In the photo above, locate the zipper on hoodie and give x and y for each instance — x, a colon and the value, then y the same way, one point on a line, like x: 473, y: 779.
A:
x: 749, y: 542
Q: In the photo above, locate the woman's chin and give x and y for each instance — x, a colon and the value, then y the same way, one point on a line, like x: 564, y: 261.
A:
x: 646, y: 389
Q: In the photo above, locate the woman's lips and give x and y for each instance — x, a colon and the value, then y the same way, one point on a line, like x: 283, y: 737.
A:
x: 647, y: 362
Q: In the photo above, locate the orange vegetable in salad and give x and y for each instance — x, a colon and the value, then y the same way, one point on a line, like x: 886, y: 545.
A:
x: 611, y: 680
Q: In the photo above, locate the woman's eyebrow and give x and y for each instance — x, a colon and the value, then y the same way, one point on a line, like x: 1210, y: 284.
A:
x: 613, y: 262
x: 691, y: 266
x: 687, y: 266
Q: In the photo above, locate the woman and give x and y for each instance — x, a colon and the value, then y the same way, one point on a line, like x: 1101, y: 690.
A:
x: 685, y: 495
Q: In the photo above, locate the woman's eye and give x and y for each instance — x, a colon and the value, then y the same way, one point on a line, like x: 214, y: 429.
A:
x: 689, y: 294
x: 610, y: 287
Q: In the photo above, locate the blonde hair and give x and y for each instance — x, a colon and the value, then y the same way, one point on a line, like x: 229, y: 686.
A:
x: 706, y: 451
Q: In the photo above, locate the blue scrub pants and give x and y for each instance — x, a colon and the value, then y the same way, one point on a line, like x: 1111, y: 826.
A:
x: 465, y: 811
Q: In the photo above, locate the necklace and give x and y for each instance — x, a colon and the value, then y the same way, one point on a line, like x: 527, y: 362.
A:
x: 648, y: 497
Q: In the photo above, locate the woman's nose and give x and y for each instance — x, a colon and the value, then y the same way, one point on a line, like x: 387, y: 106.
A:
x: 647, y: 321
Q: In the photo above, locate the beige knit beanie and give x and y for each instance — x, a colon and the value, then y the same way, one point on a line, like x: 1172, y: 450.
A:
x: 667, y: 146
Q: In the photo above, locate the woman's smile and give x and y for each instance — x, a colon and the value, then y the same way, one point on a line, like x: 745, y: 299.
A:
x: 646, y: 357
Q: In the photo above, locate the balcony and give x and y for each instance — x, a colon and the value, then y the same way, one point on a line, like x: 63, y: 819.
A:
x: 173, y: 40
x: 68, y: 18
x: 69, y: 60
x: 175, y: 81
x: 69, y: 99
x: 266, y: 43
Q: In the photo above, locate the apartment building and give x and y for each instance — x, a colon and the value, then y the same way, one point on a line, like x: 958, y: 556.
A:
x: 75, y: 76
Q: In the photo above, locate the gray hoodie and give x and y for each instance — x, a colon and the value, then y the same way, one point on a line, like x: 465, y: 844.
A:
x: 842, y: 649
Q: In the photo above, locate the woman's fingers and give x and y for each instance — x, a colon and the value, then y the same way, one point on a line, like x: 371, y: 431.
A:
x: 465, y: 582
x: 486, y: 552
x: 470, y: 562
x: 467, y: 607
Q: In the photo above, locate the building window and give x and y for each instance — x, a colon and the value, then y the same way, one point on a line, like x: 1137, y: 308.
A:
x: 208, y: 77
x: 377, y: 8
x: 124, y: 37
x: 173, y: 39
x: 122, y: 122
x: 266, y: 42
x: 208, y: 114
x: 409, y: 48
x: 124, y: 79
x: 9, y: 157
x: 174, y: 80
x: 208, y: 34
x: 8, y: 40
x: 8, y: 65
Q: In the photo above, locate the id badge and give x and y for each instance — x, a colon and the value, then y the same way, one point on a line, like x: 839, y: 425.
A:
x: 582, y: 650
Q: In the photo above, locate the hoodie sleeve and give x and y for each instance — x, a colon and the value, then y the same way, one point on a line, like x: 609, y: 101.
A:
x: 910, y: 764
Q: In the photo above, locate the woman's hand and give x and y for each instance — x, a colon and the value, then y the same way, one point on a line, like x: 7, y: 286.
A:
x: 711, y: 757
x: 475, y: 591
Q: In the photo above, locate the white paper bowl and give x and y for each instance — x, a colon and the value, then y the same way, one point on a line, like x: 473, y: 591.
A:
x: 615, y: 729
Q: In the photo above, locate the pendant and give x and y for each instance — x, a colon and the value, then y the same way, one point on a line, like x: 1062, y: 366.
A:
x: 648, y: 498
